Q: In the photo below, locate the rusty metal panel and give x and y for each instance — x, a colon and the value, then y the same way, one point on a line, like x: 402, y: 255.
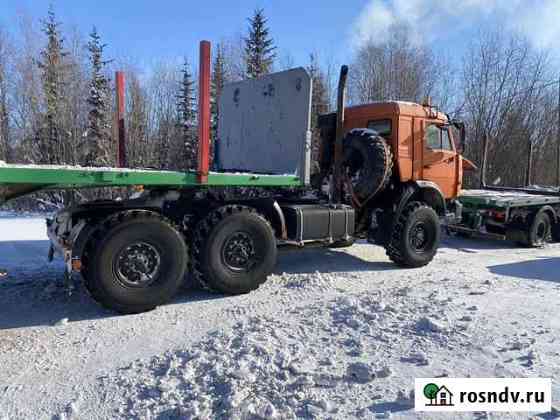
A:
x: 204, y: 112
x: 264, y: 125
x: 121, y: 129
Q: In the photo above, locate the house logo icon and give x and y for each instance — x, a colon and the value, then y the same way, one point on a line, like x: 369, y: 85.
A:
x: 439, y: 396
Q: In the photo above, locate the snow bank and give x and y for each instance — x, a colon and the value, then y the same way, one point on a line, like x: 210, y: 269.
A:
x: 316, y: 361
x: 342, y: 342
x: 32, y: 228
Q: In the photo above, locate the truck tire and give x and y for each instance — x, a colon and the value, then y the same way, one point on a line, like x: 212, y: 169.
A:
x: 343, y: 243
x: 415, y: 237
x: 555, y: 232
x: 233, y: 250
x: 135, y: 262
x: 368, y: 161
x: 540, y: 231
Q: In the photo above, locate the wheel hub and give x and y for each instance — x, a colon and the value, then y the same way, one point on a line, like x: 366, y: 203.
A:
x: 138, y: 265
x: 238, y: 252
x: 419, y: 237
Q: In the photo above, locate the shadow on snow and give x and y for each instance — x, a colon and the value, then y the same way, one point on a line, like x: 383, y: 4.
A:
x: 326, y: 260
x: 543, y: 268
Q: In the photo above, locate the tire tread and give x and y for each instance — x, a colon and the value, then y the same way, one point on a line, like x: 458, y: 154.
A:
x: 200, y: 236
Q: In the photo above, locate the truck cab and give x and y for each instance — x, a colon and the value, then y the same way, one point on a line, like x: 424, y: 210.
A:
x: 423, y: 141
x: 399, y: 165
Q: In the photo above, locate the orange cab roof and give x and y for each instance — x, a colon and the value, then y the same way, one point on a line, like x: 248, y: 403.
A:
x: 400, y: 108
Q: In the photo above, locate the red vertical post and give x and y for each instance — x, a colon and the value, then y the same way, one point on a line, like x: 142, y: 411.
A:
x: 121, y: 133
x: 204, y: 113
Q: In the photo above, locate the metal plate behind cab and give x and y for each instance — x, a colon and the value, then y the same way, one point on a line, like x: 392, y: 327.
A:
x: 264, y: 125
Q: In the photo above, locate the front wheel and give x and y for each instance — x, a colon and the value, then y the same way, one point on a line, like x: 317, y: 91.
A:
x: 415, y: 237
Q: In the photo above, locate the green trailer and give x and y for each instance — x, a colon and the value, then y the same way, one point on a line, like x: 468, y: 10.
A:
x: 528, y: 217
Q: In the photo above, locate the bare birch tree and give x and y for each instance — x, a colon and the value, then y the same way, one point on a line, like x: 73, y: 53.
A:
x: 398, y: 69
x: 503, y: 82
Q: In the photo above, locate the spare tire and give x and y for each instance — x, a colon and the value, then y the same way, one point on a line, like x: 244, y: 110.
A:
x: 368, y: 162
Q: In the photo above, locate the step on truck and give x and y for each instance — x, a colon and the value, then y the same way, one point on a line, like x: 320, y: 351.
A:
x: 529, y: 216
x: 387, y: 172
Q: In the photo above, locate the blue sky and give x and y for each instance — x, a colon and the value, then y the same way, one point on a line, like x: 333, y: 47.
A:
x: 171, y: 28
x: 148, y: 30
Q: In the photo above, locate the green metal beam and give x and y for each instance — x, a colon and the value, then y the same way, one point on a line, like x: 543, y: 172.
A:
x: 20, y: 180
x: 78, y: 177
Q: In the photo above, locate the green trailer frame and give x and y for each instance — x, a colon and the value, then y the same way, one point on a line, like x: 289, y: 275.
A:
x: 479, y: 207
x: 474, y: 200
x: 19, y: 180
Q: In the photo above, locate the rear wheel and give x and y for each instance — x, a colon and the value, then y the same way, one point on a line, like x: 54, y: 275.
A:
x: 137, y: 262
x: 415, y: 237
x: 234, y: 250
x: 540, y: 230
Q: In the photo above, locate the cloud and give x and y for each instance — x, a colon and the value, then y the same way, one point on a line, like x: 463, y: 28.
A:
x: 433, y: 20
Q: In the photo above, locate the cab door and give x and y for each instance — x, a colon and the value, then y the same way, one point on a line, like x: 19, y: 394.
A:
x: 441, y: 162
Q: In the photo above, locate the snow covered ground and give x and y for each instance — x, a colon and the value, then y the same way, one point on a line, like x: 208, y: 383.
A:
x: 333, y: 334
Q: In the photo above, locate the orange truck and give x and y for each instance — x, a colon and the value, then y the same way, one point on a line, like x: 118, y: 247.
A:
x: 401, y: 169
x: 389, y: 172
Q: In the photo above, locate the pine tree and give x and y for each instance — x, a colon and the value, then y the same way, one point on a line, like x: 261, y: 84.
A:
x: 98, y: 138
x: 319, y: 102
x: 188, y: 144
x: 219, y: 79
x: 50, y: 138
x: 259, y: 47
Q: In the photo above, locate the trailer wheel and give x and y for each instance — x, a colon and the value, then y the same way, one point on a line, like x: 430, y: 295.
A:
x: 415, y: 237
x: 540, y: 231
x: 368, y: 162
x: 233, y: 250
x: 137, y: 262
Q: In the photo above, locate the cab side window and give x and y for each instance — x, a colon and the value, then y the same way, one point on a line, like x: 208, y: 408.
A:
x: 433, y: 137
x: 437, y: 138
x: 382, y: 127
